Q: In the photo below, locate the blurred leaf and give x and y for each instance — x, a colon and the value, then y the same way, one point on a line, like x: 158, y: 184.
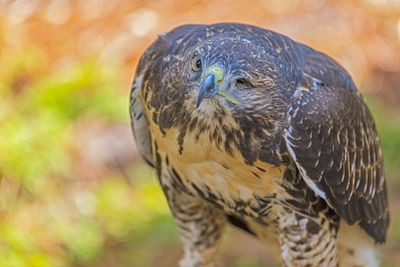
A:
x: 388, y: 126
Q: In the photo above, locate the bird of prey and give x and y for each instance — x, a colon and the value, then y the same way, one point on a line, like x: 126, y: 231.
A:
x: 248, y: 127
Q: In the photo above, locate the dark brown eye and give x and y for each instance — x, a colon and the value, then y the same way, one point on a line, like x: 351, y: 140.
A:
x: 242, y: 83
x: 196, y: 63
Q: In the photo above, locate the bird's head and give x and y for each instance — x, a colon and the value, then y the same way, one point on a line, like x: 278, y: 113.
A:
x: 229, y: 66
x: 227, y: 70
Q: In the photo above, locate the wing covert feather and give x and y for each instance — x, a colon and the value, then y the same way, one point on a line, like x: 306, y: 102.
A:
x: 332, y: 138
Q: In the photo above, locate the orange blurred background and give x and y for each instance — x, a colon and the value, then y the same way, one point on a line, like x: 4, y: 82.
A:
x: 362, y: 35
x: 74, y: 191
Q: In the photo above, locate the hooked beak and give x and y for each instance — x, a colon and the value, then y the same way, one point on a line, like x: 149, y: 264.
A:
x: 208, y: 88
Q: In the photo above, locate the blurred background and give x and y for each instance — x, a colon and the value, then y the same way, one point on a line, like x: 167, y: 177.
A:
x: 73, y: 189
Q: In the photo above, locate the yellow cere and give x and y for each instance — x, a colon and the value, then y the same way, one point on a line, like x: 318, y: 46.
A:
x: 219, y: 74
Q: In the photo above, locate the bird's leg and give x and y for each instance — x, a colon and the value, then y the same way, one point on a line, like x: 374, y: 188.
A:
x: 307, y: 242
x: 200, y: 224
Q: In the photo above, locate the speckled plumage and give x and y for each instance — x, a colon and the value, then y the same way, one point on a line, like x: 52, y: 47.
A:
x: 293, y: 158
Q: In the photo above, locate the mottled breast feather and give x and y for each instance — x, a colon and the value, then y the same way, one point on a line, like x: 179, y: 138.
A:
x: 332, y: 138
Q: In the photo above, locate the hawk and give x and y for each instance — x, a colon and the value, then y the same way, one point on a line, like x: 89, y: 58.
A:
x: 248, y: 127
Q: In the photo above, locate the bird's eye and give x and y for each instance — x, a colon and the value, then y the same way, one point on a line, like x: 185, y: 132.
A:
x: 242, y: 83
x: 196, y: 63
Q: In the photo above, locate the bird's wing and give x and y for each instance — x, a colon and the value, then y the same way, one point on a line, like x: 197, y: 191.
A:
x: 139, y: 123
x: 332, y: 138
x: 146, y: 75
x: 149, y: 73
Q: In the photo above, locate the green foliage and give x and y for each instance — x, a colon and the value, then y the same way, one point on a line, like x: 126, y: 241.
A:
x: 388, y: 124
x: 37, y: 116
x: 248, y: 262
x: 46, y: 221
